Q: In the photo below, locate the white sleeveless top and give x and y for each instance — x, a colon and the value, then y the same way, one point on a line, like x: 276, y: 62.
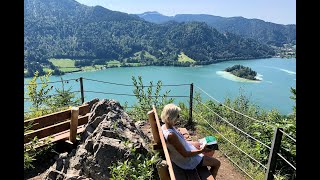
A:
x: 176, y: 157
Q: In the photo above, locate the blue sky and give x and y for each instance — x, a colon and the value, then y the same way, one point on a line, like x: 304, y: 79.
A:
x: 276, y: 11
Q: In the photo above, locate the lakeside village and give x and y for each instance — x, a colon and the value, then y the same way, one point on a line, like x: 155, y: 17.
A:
x: 287, y: 51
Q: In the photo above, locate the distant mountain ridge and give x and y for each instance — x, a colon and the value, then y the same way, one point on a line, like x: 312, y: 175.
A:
x: 265, y: 32
x: 68, y: 29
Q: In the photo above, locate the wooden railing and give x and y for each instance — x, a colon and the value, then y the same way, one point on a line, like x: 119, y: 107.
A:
x: 63, y: 125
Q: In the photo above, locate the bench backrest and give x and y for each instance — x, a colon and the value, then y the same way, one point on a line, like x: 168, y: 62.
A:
x: 159, y: 138
x: 53, y: 123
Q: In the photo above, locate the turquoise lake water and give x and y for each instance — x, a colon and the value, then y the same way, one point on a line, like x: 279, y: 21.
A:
x: 272, y: 92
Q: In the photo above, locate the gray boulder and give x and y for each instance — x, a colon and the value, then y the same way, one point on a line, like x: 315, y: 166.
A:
x: 109, y: 136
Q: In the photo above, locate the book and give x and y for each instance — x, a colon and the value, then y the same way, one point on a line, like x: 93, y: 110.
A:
x: 211, y: 142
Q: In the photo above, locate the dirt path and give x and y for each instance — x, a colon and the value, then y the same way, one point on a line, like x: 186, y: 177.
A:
x: 227, y: 170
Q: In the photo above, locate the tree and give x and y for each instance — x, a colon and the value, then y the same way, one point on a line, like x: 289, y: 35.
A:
x: 38, y: 97
x: 63, y: 98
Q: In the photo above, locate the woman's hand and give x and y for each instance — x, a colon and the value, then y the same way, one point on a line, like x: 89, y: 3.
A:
x: 196, y: 144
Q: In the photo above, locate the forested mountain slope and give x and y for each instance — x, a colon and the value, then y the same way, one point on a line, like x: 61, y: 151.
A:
x: 265, y: 32
x: 68, y: 29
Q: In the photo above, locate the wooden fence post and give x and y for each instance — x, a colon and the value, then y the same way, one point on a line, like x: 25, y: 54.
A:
x: 273, y: 154
x: 81, y: 89
x: 190, y: 104
x: 74, y: 124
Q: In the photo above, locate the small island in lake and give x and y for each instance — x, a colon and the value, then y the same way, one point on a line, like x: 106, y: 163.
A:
x: 242, y: 72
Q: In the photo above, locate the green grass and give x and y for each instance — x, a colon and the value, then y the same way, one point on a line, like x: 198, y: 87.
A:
x: 68, y: 65
x: 87, y: 68
x: 184, y: 58
x: 65, y: 65
x: 92, y: 68
x: 62, y: 62
x: 147, y: 55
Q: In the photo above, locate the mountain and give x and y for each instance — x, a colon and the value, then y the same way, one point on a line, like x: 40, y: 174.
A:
x: 68, y: 29
x: 154, y: 16
x: 265, y: 32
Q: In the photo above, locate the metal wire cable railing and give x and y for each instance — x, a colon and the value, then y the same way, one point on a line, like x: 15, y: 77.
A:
x: 234, y: 126
x: 233, y: 109
x: 108, y: 82
x: 288, y: 136
x: 51, y: 95
x: 246, y: 153
x: 120, y: 94
x: 286, y: 161
x: 129, y: 94
x: 110, y: 93
x: 290, y: 164
x: 247, y: 135
x: 182, y: 96
x: 242, y: 113
x: 52, y: 82
x: 233, y: 143
x: 134, y: 85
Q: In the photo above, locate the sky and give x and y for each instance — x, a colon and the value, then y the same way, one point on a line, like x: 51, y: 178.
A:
x: 276, y: 11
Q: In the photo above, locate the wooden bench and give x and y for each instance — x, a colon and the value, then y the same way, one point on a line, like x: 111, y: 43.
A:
x: 63, y: 125
x: 167, y: 169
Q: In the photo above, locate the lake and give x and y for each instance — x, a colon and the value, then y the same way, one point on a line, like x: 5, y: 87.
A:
x: 272, y: 92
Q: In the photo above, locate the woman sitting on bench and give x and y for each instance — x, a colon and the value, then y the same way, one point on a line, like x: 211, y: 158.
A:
x: 185, y: 154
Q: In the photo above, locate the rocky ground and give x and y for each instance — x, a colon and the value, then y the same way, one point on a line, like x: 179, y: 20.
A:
x: 100, y: 144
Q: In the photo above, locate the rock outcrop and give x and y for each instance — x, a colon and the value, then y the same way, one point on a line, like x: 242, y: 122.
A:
x: 109, y: 136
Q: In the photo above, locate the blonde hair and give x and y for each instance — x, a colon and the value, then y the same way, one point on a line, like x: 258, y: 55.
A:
x: 170, y: 113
